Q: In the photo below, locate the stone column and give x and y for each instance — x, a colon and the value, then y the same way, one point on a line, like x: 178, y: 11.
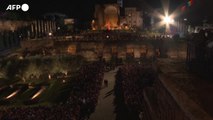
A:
x: 42, y: 28
x: 32, y: 30
x: 54, y: 26
x: 45, y: 28
x: 36, y: 28
x: 39, y: 28
x: 48, y: 26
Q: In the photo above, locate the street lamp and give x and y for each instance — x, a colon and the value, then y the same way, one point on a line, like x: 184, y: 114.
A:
x: 168, y: 20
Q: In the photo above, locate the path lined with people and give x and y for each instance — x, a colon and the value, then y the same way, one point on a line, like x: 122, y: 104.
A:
x: 105, y: 107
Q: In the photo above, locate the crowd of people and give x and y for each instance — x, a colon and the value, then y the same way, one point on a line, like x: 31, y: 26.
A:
x: 46, y: 51
x: 86, y: 88
x: 78, y: 106
x: 111, y: 36
x: 130, y: 83
x: 50, y: 76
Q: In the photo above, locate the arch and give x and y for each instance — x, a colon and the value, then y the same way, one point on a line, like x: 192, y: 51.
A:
x: 111, y: 15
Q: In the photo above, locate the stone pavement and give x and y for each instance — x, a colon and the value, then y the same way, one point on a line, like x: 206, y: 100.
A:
x: 105, y: 108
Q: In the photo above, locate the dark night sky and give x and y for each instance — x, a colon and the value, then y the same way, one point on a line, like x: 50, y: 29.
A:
x: 83, y: 9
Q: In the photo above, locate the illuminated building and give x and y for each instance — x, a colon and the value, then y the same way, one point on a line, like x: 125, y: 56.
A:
x: 69, y: 23
x: 106, y: 17
x: 12, y: 25
x: 133, y: 18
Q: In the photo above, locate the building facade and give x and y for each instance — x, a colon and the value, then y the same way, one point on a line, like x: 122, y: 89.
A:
x: 106, y: 16
x: 133, y: 18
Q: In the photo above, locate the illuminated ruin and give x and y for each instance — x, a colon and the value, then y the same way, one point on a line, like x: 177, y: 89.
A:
x: 106, y: 17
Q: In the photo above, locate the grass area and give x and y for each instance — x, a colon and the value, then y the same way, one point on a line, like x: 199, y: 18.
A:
x: 54, y: 93
x: 14, y: 91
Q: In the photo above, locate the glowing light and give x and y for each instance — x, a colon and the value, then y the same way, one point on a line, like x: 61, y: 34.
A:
x: 168, y: 20
x: 38, y: 93
x: 21, y: 58
x: 50, y: 34
x: 166, y: 17
x: 49, y: 76
x: 108, y: 25
x: 12, y: 94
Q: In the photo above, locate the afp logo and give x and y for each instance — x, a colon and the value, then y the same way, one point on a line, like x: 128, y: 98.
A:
x: 23, y: 7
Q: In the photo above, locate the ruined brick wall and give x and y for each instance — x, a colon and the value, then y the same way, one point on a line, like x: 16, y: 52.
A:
x: 160, y: 105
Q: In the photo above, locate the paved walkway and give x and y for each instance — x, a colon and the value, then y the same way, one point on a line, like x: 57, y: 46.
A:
x: 105, y: 108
